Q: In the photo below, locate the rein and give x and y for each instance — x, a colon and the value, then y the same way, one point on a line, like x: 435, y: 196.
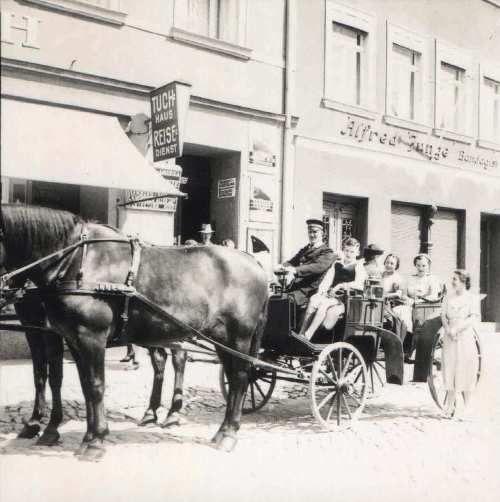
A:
x: 79, y: 287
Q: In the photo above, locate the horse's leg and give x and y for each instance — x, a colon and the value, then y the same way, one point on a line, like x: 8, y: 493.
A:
x: 225, y: 439
x: 227, y: 363
x: 92, y: 349
x: 179, y: 362
x: 33, y: 425
x: 89, y: 435
x: 158, y: 359
x: 54, y: 347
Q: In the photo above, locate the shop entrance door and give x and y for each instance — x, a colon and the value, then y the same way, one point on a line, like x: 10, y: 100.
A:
x: 490, y: 267
x: 203, y: 177
x: 343, y: 217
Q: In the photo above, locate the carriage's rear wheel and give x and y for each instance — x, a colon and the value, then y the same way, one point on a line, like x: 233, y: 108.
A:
x: 435, y: 378
x: 261, y: 383
x: 338, y: 385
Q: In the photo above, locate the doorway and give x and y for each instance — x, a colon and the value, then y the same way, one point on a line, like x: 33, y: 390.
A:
x: 56, y: 195
x: 490, y: 267
x: 343, y: 217
x: 211, y: 185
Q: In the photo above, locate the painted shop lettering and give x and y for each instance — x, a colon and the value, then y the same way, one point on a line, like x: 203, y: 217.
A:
x: 477, y: 160
x: 364, y: 132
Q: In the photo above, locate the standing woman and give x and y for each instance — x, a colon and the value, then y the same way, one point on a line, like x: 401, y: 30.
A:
x: 460, y: 364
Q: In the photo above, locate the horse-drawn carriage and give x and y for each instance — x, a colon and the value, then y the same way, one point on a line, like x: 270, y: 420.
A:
x: 347, y: 365
x: 96, y: 285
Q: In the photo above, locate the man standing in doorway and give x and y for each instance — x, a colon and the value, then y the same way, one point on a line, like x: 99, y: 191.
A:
x: 206, y: 233
x: 309, y: 264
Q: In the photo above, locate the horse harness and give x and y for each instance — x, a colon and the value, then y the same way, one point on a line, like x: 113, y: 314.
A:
x: 126, y: 289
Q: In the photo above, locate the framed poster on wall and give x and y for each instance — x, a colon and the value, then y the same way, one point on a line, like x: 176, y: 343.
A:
x: 262, y: 197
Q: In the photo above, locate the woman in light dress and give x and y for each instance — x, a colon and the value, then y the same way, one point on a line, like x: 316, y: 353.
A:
x: 397, y: 314
x: 459, y: 316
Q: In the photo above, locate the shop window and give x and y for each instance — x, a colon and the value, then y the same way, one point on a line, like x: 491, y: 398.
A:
x: 454, y: 94
x: 111, y: 11
x: 219, y: 25
x: 349, y: 61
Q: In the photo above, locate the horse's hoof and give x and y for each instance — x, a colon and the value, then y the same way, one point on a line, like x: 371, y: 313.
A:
x: 81, y: 449
x: 173, y: 420
x: 29, y: 431
x: 48, y: 438
x: 227, y: 444
x: 93, y: 453
x: 149, y: 417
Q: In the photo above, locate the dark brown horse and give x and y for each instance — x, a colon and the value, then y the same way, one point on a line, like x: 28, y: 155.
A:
x: 218, y: 291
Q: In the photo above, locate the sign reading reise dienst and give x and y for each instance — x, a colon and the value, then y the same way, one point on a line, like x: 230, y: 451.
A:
x: 165, y: 122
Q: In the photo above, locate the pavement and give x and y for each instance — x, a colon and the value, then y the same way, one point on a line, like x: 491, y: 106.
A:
x: 401, y: 448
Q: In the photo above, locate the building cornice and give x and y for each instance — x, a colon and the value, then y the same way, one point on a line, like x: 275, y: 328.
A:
x: 19, y: 67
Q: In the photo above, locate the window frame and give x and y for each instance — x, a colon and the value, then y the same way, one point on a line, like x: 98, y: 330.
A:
x: 182, y: 34
x: 490, y: 71
x: 415, y: 42
x: 115, y: 14
x: 361, y: 21
x: 462, y: 59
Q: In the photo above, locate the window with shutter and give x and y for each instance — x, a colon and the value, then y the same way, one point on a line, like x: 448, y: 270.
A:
x: 405, y: 235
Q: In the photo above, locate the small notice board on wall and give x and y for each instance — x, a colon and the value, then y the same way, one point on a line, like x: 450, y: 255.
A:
x: 262, y: 197
x: 226, y: 188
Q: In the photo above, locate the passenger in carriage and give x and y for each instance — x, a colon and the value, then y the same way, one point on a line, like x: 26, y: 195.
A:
x: 325, y: 307
x: 394, y: 291
x: 309, y: 264
x: 421, y: 287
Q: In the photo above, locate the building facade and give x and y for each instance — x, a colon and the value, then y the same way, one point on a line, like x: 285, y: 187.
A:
x: 103, y: 58
x: 398, y: 137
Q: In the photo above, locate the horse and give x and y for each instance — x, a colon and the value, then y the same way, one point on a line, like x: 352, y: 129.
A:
x: 219, y: 292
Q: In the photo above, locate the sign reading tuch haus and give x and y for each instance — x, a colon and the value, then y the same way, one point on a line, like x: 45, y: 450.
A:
x: 421, y: 145
x: 164, y: 123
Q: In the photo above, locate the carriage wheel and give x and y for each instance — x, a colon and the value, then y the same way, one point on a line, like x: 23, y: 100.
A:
x: 338, y: 386
x: 435, y: 377
x: 261, y: 383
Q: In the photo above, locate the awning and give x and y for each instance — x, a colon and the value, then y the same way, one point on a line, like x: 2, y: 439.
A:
x: 48, y: 143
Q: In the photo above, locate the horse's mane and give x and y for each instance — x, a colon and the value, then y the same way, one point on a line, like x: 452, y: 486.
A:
x: 36, y: 230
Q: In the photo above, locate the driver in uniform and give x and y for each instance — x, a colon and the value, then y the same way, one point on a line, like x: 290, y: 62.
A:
x: 309, y: 264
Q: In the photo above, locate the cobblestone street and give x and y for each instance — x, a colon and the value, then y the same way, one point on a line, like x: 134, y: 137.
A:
x: 400, y: 450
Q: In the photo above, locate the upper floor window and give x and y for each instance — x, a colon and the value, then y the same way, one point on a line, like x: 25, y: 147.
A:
x: 110, y: 11
x: 219, y: 19
x: 456, y: 86
x: 349, y: 61
x: 406, y: 82
x: 407, y: 93
x: 490, y: 110
x: 452, y: 98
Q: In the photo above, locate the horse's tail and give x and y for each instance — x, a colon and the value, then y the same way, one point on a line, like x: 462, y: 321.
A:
x: 259, y: 329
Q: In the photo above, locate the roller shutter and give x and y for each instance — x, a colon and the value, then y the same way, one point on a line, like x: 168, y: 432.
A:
x: 405, y: 235
x: 444, y: 236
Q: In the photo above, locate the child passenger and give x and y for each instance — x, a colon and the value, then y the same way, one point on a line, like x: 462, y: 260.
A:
x: 324, y: 307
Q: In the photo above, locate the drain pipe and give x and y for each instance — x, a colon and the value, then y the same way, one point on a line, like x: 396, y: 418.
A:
x: 288, y: 158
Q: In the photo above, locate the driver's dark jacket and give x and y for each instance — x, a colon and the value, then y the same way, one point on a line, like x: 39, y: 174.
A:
x: 310, y: 265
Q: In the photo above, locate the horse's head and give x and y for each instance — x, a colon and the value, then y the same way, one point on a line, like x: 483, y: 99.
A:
x: 30, y: 233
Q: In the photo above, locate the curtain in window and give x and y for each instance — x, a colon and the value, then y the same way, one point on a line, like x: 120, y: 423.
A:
x: 229, y: 19
x: 198, y: 16
x: 405, y: 84
x: 490, y: 110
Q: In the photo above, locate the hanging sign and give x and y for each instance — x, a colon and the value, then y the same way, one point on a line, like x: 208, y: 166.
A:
x: 169, y: 105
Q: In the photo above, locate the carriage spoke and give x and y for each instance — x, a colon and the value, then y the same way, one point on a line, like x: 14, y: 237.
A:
x: 330, y: 410
x: 325, y: 399
x: 346, y: 405
x: 260, y: 390
x: 338, y: 411
x: 333, y: 368
x: 328, y: 377
x: 344, y: 371
x: 252, y: 394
